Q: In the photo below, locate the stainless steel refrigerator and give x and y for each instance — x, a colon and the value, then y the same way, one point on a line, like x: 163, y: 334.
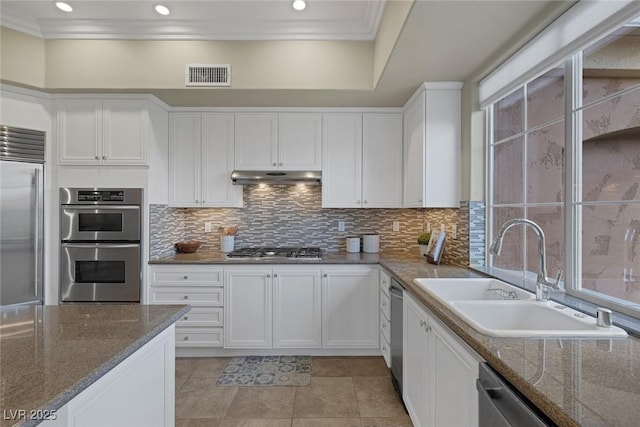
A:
x: 21, y: 215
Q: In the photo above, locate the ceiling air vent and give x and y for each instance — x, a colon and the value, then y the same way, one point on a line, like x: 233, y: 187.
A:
x: 208, y: 75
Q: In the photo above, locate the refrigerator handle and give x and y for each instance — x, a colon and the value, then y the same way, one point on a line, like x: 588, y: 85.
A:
x: 36, y: 233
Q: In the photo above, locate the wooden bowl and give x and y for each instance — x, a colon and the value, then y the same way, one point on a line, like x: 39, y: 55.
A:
x: 188, y: 246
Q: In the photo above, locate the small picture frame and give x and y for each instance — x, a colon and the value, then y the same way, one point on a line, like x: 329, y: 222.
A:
x: 436, y: 247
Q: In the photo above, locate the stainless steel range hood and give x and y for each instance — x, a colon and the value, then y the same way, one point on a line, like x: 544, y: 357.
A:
x: 276, y: 177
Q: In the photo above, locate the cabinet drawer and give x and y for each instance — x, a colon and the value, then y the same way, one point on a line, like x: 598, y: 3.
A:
x: 385, y: 305
x: 385, y: 327
x: 192, y: 276
x: 199, y: 337
x: 385, y: 281
x: 202, y: 316
x: 192, y: 296
x: 385, y: 349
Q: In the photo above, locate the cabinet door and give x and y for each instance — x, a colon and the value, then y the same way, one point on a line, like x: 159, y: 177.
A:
x: 415, y: 370
x: 297, y: 321
x: 342, y: 161
x: 248, y: 308
x: 414, y: 141
x: 300, y: 141
x: 125, y: 134
x: 382, y: 160
x: 184, y: 159
x: 454, y: 373
x: 79, y: 132
x: 350, y: 308
x: 256, y: 141
x: 217, y: 161
x: 442, y: 149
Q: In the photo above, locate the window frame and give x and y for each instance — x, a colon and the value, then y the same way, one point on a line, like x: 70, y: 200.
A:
x: 572, y: 181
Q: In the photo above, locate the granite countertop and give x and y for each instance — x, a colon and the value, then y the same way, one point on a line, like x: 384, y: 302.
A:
x: 578, y: 381
x: 49, y: 354
x: 217, y: 257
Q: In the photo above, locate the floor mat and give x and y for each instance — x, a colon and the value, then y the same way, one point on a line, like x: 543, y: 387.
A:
x: 267, y: 371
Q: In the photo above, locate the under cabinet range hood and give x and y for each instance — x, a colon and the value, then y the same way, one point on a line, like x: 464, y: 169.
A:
x: 276, y: 177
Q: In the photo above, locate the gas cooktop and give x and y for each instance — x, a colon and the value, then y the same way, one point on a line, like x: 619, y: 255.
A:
x: 275, y: 252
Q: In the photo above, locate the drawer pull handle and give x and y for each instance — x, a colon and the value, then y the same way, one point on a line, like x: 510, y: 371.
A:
x: 268, y: 275
x: 186, y: 297
x: 423, y: 323
x: 384, y: 326
x: 185, y: 318
x: 185, y: 277
x: 275, y: 275
x: 185, y: 339
x: 325, y: 275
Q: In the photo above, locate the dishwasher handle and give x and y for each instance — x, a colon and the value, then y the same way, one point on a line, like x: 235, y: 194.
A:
x: 395, y: 288
x: 500, y: 406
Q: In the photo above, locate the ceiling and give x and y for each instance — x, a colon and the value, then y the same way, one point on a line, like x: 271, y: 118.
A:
x: 446, y: 40
x: 196, y: 20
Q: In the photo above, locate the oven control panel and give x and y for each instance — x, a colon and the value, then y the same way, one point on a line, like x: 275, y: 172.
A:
x: 100, y: 196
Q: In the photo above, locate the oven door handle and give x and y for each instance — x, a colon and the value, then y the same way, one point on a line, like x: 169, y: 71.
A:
x: 100, y: 245
x: 101, y: 207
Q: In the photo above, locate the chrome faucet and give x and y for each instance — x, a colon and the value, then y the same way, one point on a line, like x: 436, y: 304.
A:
x: 542, y: 282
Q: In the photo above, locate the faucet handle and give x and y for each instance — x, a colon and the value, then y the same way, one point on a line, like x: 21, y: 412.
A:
x: 558, y: 278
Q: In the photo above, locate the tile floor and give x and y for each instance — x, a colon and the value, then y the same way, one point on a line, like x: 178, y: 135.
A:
x: 344, y: 392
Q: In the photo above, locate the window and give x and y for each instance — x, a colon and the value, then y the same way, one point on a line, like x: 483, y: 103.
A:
x: 531, y: 167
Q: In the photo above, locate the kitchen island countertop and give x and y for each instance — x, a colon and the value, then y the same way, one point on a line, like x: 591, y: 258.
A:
x: 50, y: 354
x: 574, y: 381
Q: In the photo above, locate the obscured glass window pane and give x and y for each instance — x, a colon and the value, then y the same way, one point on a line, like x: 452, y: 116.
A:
x: 545, y: 164
x: 509, y: 115
x: 508, y: 184
x: 545, y: 98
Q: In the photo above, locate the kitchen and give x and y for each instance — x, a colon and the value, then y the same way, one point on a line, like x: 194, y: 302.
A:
x: 263, y: 221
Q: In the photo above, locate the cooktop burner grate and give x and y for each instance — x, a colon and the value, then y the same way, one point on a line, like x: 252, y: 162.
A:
x: 277, y: 252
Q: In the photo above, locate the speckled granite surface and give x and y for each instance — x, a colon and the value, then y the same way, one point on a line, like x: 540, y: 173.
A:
x: 49, y: 354
x: 216, y: 257
x: 584, y: 382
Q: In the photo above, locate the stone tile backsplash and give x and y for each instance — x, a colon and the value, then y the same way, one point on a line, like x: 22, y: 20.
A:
x: 292, y: 216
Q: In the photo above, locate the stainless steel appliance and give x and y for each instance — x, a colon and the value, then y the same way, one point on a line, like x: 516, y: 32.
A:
x: 396, y: 294
x: 501, y: 406
x: 21, y: 215
x: 277, y: 252
x: 100, y: 253
x: 276, y: 177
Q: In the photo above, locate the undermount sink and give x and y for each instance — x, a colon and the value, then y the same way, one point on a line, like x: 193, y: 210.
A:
x: 498, y: 309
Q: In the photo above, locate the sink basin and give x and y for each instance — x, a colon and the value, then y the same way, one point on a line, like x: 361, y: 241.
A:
x: 531, y: 319
x: 498, y: 309
x: 448, y: 290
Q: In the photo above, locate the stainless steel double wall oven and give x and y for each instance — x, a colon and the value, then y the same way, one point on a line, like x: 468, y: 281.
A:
x: 100, y: 253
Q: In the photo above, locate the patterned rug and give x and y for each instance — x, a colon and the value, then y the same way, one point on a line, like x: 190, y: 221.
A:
x: 267, y: 371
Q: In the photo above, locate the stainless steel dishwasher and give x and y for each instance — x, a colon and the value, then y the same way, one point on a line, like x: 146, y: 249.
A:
x: 501, y: 406
x: 395, y: 291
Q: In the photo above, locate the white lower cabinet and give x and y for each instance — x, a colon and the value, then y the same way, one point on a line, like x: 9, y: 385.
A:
x: 248, y: 303
x: 273, y: 308
x: 139, y: 391
x: 439, y: 372
x: 350, y: 307
x: 200, y: 286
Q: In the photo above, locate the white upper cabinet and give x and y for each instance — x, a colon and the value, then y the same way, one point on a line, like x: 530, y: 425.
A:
x: 382, y: 160
x: 362, y: 160
x: 300, y: 141
x: 432, y: 147
x: 201, y: 147
x: 342, y: 160
x: 256, y: 141
x: 102, y: 132
x: 272, y: 141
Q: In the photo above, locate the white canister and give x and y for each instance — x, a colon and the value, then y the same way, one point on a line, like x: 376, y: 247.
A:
x: 371, y: 243
x: 353, y: 244
x: 226, y: 243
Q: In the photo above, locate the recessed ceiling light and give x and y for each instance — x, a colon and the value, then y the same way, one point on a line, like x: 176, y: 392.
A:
x: 65, y: 7
x: 162, y: 9
x: 299, y: 4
